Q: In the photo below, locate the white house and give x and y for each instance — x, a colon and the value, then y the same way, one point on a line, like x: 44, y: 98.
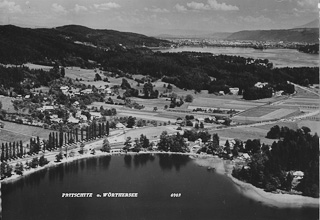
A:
x: 120, y: 125
x: 234, y: 91
x: 86, y: 91
x: 73, y: 120
x: 260, y: 84
x: 95, y: 115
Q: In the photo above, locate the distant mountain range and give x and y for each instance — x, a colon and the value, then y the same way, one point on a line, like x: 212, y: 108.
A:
x: 312, y: 24
x: 308, y: 35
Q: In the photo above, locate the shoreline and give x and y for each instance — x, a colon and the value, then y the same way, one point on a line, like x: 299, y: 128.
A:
x: 219, y: 165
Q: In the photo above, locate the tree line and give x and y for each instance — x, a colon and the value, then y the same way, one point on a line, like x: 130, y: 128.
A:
x: 15, y: 150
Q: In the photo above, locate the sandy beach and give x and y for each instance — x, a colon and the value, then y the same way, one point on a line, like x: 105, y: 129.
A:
x: 271, y: 199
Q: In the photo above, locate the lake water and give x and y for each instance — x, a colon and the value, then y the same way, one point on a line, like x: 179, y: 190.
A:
x: 204, y: 194
x: 279, y: 57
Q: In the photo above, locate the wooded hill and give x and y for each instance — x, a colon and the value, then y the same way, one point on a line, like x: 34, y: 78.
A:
x: 72, y: 44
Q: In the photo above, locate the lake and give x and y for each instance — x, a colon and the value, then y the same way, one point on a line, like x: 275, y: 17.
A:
x: 204, y: 194
x: 279, y: 57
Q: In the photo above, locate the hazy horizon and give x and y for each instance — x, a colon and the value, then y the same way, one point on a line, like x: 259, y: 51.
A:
x: 156, y: 17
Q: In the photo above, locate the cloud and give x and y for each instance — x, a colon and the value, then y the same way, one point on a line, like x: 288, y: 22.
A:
x: 10, y: 7
x: 106, y: 6
x: 157, y: 10
x: 79, y: 8
x: 308, y: 3
x: 212, y: 5
x: 222, y: 6
x: 198, y: 6
x: 58, y: 8
x: 180, y: 8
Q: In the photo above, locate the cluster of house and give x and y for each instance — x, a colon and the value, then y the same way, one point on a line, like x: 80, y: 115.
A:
x: 71, y: 91
x: 261, y: 85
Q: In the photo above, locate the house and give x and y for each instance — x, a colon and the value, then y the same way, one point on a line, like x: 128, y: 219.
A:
x: 46, y: 108
x: 221, y: 93
x: 120, y: 125
x: 234, y: 91
x: 179, y: 120
x: 73, y: 120
x: 82, y: 117
x: 279, y: 93
x: 200, y: 119
x: 64, y: 89
x: 58, y: 120
x: 198, y: 141
x: 27, y: 97
x: 76, y: 104
x: 95, y: 115
x: 108, y: 91
x: 298, y: 175
x: 260, y: 84
x: 86, y: 91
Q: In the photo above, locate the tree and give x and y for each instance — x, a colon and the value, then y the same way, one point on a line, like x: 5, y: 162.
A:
x: 127, y: 144
x: 189, y: 98
x: 43, y: 161
x: 35, y: 162
x: 97, y: 77
x: 130, y: 122
x: 106, y: 146
x: 81, y: 151
x: 201, y: 125
x: 59, y: 157
x: 6, y: 170
x: 18, y: 169
x: 62, y: 72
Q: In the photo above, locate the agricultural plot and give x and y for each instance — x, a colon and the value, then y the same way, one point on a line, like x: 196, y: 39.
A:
x: 222, y: 103
x: 244, y: 134
x: 7, y: 104
x: 8, y: 136
x: 257, y: 112
x: 279, y: 113
x: 151, y: 132
x: 22, y: 132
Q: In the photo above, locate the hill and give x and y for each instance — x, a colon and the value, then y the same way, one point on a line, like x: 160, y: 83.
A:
x: 307, y: 35
x: 312, y: 24
x: 72, y: 44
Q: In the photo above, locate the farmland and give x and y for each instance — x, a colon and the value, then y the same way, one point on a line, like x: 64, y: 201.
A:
x: 17, y: 132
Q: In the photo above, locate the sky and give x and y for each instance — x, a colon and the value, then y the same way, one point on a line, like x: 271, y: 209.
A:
x: 154, y: 17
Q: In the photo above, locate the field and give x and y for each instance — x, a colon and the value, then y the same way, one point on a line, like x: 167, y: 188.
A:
x: 17, y: 132
x: 244, y: 134
x: 7, y: 104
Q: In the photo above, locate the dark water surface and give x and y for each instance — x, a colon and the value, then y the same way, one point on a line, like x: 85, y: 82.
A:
x: 279, y: 57
x: 204, y: 194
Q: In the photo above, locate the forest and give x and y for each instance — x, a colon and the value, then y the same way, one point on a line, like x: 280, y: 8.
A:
x: 271, y: 168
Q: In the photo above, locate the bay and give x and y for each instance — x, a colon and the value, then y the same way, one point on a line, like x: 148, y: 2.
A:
x: 204, y: 194
x: 279, y: 57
